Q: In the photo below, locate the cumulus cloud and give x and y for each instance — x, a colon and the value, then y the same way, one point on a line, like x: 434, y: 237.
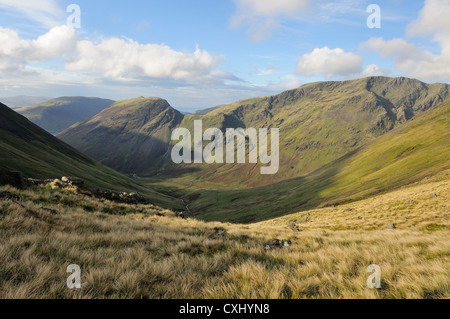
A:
x: 374, y: 70
x: 433, y: 19
x: 114, y: 58
x: 262, y: 16
x: 124, y: 58
x: 329, y: 63
x: 46, y: 12
x: 59, y: 41
x: 414, y: 61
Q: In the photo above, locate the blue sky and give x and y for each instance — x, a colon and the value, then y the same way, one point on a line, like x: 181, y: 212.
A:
x: 203, y: 53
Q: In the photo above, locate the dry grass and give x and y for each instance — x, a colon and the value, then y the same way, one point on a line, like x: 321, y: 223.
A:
x: 127, y: 251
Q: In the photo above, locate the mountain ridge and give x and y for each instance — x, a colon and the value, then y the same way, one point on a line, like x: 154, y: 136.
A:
x: 56, y: 115
x: 135, y: 130
x: 319, y: 123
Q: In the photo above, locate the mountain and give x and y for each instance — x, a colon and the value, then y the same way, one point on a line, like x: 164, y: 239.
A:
x: 409, y: 153
x: 318, y: 122
x: 35, y: 153
x: 19, y: 101
x: 56, y: 115
x: 131, y: 136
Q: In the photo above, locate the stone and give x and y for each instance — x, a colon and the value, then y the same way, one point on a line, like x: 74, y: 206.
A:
x: 275, y: 244
x: 72, y: 181
x: 287, y: 243
x: 292, y: 225
x: 392, y: 226
x: 219, y: 233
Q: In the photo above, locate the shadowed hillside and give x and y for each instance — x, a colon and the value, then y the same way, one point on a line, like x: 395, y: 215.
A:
x: 35, y: 153
x: 131, y: 136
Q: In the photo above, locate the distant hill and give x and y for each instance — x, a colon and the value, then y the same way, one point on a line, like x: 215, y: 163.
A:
x: 35, y: 153
x: 58, y: 114
x: 19, y: 101
x: 131, y: 136
x: 206, y: 111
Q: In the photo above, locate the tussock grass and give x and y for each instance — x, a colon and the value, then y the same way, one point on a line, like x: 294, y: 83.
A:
x: 131, y: 251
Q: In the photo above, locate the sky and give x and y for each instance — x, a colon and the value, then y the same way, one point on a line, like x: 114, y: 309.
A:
x: 201, y: 53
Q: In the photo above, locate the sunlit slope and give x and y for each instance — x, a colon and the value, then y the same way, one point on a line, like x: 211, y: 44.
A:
x: 409, y: 153
x: 318, y: 122
x: 27, y: 148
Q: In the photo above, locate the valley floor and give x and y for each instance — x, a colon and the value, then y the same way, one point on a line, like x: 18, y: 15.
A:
x: 142, y: 251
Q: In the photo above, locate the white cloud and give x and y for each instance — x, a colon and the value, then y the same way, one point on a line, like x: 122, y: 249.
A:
x: 123, y: 58
x: 59, y: 41
x: 262, y: 16
x: 433, y: 19
x: 329, y: 63
x: 374, y: 70
x: 46, y: 12
x: 414, y: 61
x: 114, y: 59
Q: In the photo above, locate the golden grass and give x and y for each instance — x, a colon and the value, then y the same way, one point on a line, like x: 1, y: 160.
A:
x: 127, y: 251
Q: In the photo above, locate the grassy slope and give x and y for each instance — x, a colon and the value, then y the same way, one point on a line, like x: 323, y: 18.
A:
x: 318, y: 122
x: 29, y: 149
x: 141, y: 255
x: 405, y: 155
x: 58, y: 114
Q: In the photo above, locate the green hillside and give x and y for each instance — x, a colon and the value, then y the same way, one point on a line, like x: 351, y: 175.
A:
x: 409, y: 153
x: 56, y: 115
x: 131, y: 136
x: 27, y: 148
x: 318, y: 122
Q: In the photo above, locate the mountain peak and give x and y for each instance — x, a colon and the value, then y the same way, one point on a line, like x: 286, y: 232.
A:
x: 137, y: 130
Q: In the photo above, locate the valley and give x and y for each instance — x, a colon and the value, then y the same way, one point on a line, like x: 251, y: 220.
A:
x: 142, y: 227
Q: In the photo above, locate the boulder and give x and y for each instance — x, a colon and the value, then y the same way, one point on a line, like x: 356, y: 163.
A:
x: 275, y: 244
